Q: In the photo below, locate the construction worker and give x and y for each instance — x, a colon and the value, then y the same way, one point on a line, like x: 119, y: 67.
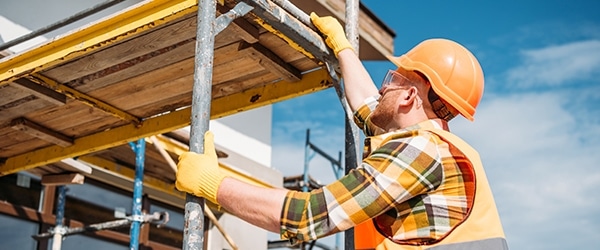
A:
x: 418, y: 187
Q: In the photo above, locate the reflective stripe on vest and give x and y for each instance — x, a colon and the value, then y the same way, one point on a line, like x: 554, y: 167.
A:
x: 487, y: 244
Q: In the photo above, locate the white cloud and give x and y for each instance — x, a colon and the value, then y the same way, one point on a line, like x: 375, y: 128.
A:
x: 544, y: 175
x: 556, y: 65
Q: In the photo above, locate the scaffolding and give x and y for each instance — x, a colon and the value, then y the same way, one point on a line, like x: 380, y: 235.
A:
x: 310, y: 150
x: 276, y: 17
x: 39, y: 71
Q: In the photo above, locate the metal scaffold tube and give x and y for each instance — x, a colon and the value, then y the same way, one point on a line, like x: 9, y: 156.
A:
x: 193, y: 231
x: 351, y: 20
x: 59, y: 229
x: 207, y: 28
x: 309, y: 152
x: 352, y: 136
x: 295, y: 12
x: 78, y: 16
x: 138, y: 185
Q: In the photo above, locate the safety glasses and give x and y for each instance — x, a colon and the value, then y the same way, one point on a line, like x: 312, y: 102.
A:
x: 394, y: 79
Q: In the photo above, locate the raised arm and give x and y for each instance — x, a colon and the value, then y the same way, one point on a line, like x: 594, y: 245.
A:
x: 358, y: 84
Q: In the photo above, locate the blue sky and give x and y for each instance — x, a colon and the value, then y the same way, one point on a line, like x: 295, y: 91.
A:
x: 537, y: 128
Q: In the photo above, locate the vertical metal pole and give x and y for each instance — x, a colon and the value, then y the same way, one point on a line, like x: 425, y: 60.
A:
x: 134, y: 234
x: 339, y: 172
x: 193, y: 236
x: 352, y: 147
x: 59, y: 228
x: 306, y: 160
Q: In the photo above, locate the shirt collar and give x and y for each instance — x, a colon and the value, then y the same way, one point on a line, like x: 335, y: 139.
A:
x: 428, y: 124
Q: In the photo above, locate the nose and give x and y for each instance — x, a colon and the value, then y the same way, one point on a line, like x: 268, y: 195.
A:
x: 382, y: 89
x: 384, y: 85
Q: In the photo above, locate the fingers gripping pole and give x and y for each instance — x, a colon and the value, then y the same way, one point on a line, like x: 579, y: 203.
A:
x: 207, y: 28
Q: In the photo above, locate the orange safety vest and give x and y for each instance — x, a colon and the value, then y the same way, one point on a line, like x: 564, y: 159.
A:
x: 481, y: 229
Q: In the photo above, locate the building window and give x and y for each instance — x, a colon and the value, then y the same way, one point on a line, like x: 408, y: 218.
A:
x: 77, y: 242
x: 16, y: 233
x: 20, y: 189
x: 172, y: 233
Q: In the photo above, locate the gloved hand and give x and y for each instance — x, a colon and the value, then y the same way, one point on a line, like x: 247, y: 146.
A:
x: 335, y: 37
x: 199, y: 174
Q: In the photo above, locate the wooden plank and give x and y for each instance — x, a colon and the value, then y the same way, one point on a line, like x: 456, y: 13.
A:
x: 48, y: 198
x: 11, y: 94
x: 165, y: 105
x: 144, y: 64
x: 40, y: 91
x: 118, y: 27
x: 75, y: 118
x: 231, y: 70
x: 172, y: 81
x: 130, y: 58
x: 283, y: 50
x: 85, y: 98
x: 270, y: 61
x: 62, y: 179
x: 74, y: 166
x: 134, y: 67
x: 113, y: 135
x: 241, y: 27
x: 127, y: 50
x: 69, y: 118
x: 237, y: 86
x: 19, y: 147
x: 12, y: 137
x: 127, y: 92
x: 46, y: 170
x: 41, y: 132
x: 97, y: 125
x: 22, y: 106
x: 155, y: 95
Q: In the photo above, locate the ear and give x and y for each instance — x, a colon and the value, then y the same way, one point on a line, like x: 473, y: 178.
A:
x: 407, y: 97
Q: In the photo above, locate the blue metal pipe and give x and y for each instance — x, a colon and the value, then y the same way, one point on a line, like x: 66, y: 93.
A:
x: 59, y: 229
x: 60, y: 206
x: 140, y: 151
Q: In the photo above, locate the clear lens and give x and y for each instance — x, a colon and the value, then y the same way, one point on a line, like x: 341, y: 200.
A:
x: 393, y: 78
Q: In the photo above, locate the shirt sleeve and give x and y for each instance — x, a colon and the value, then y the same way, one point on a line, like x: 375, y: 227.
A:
x: 362, y: 116
x: 394, y: 173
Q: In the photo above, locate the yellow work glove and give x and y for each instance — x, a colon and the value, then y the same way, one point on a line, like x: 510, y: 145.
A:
x: 199, y: 174
x: 332, y: 30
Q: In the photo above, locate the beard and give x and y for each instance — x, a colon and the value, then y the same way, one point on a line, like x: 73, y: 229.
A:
x: 383, y: 115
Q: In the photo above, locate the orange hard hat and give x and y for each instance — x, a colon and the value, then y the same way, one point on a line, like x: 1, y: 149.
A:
x: 454, y: 73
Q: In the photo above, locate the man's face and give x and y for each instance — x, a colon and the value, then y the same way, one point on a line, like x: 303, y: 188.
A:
x: 391, y: 90
x: 385, y: 112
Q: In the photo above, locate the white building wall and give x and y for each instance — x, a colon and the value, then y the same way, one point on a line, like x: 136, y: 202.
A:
x: 246, y: 136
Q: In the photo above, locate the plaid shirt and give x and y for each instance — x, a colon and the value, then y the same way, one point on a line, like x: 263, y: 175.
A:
x: 411, y: 186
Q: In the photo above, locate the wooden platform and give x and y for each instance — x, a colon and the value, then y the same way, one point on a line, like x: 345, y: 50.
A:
x: 130, y: 76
